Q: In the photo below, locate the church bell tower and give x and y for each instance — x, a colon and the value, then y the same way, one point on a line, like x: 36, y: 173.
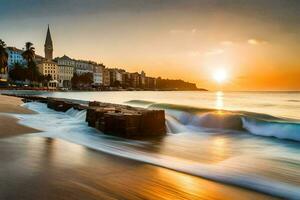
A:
x: 48, y: 47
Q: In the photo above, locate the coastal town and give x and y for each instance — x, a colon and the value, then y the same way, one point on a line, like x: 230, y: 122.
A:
x: 22, y: 68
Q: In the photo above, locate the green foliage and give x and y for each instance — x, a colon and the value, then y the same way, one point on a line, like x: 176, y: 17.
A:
x: 3, y: 55
x: 83, y: 80
x: 29, y: 53
x: 22, y: 73
x: 31, y: 73
x: 18, y: 73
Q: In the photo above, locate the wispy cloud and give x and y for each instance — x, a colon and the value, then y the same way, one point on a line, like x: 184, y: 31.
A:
x: 181, y: 31
x: 227, y: 43
x: 253, y: 41
x: 214, y: 52
x: 194, y: 53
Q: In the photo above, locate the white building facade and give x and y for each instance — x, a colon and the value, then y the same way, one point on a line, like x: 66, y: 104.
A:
x: 66, y: 67
x: 98, y: 79
x: 83, y: 67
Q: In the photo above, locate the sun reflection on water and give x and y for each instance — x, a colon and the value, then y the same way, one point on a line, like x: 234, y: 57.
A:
x: 219, y: 104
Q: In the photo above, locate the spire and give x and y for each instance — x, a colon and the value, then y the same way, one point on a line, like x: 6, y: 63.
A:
x: 48, y: 37
x: 48, y: 47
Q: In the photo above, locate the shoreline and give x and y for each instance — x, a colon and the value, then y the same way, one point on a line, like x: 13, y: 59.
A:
x: 9, y: 125
x: 118, y: 177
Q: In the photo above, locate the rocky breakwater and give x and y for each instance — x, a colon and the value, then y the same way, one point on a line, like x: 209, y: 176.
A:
x: 126, y: 121
x: 62, y: 105
x: 113, y: 119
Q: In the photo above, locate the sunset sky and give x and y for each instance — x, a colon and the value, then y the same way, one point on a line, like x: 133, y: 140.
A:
x: 256, y: 42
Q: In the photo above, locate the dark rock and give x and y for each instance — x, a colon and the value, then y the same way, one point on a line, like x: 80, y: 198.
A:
x: 59, y: 105
x: 126, y: 121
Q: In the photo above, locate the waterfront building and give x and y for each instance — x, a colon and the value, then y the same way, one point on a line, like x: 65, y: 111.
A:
x: 3, y: 76
x: 98, y: 74
x: 14, y: 56
x: 83, y: 67
x: 106, y: 77
x: 116, y: 76
x: 48, y: 47
x: 48, y: 67
x: 126, y: 80
x: 142, y: 77
x: 134, y: 80
x: 150, y: 83
x: 38, y: 58
x: 66, y: 67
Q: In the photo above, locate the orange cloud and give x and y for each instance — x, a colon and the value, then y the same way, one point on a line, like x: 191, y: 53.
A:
x: 253, y: 41
x: 214, y: 52
x: 227, y: 43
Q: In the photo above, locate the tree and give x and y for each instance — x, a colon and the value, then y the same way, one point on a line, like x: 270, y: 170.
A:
x: 45, y: 79
x: 3, y: 56
x: 18, y: 73
x: 75, y: 80
x: 82, y: 80
x: 29, y: 54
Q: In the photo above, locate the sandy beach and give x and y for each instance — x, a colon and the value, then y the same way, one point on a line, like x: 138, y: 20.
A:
x: 45, y: 168
x: 9, y: 125
x: 9, y: 104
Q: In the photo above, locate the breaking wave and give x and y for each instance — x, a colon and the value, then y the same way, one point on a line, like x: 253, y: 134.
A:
x: 254, y: 123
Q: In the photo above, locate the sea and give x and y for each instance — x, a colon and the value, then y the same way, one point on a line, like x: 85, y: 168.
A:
x: 246, y: 139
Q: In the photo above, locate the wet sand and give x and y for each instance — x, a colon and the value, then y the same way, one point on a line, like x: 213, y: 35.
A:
x: 10, y: 104
x: 9, y: 125
x: 43, y: 168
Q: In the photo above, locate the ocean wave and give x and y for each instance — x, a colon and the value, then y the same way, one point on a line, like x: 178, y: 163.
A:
x: 139, y: 102
x: 293, y: 100
x: 280, y: 130
x: 254, y: 123
x: 71, y: 126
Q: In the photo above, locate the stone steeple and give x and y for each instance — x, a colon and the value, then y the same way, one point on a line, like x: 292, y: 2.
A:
x: 48, y: 46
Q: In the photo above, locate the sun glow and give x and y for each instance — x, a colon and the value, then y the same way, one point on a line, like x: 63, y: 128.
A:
x: 220, y: 76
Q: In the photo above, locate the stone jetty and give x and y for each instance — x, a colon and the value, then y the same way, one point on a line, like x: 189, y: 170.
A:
x: 126, y: 121
x: 113, y: 119
x: 62, y: 105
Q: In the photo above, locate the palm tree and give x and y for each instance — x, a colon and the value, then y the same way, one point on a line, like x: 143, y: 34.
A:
x: 3, y: 56
x: 29, y: 53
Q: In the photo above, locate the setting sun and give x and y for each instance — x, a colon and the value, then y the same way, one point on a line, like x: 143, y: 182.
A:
x: 220, y: 75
